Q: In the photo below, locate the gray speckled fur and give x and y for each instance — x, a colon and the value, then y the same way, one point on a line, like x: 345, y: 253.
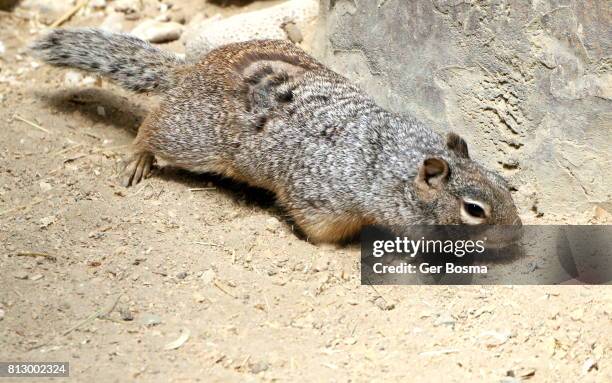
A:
x: 266, y: 113
x: 127, y: 60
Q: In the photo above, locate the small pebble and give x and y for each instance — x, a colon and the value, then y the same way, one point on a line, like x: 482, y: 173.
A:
x: 588, y: 365
x: 258, y: 367
x: 72, y: 78
x: 163, y: 17
x: 2, y: 313
x: 181, y: 275
x: 273, y: 224
x: 382, y: 304
x: 208, y: 276
x: 150, y: 320
x: 126, y: 314
x: 531, y: 267
x: 45, y: 186
x: 158, y: 32
x: 445, y: 319
x: 127, y: 6
x: 320, y: 264
x: 494, y: 338
x: 2, y: 48
x: 521, y: 373
x: 97, y: 4
x: 199, y: 297
x: 21, y: 275
x: 132, y: 16
x: 293, y: 32
x: 46, y: 221
x: 36, y: 277
x: 101, y: 111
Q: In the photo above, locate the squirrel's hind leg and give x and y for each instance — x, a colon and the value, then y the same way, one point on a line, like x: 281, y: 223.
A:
x: 140, y: 164
x: 138, y: 168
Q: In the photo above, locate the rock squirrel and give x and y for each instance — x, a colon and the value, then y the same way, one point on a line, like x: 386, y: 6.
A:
x: 266, y: 113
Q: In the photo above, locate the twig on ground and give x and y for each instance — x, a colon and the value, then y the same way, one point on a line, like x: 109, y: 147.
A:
x: 32, y: 254
x: 32, y: 124
x: 67, y: 149
x: 100, y: 315
x: 97, y: 315
x: 141, y: 189
x: 218, y: 285
x: 244, y: 363
x: 267, y: 302
x: 66, y: 16
x: 208, y: 244
x: 22, y: 207
x: 94, y: 151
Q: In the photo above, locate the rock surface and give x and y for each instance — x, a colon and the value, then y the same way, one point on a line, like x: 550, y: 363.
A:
x: 268, y: 23
x: 528, y: 84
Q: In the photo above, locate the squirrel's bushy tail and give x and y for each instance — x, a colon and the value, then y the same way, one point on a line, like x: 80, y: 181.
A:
x: 129, y: 61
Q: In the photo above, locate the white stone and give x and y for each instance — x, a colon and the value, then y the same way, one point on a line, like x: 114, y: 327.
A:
x: 72, y: 78
x: 208, y: 276
x: 46, y: 221
x: 158, y: 32
x: 127, y: 6
x: 45, y: 186
x: 97, y: 4
x: 164, y: 17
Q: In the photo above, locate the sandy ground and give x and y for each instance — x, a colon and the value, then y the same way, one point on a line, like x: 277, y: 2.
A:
x: 186, y: 254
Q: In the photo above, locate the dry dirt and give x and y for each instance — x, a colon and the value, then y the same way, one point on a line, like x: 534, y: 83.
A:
x: 187, y: 253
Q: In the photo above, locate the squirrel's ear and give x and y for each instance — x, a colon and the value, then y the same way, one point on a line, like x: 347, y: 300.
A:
x: 433, y: 174
x: 457, y: 145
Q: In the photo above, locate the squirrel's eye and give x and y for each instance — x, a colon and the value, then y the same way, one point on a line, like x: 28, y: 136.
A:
x: 474, y: 210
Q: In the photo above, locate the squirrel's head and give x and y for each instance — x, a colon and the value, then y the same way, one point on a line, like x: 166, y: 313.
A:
x: 456, y: 190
